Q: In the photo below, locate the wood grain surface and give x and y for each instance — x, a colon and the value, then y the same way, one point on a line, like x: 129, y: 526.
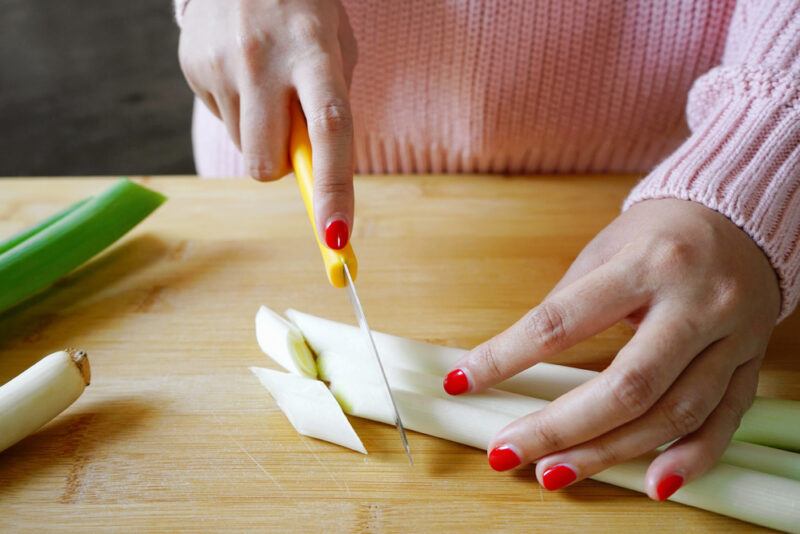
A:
x: 176, y: 434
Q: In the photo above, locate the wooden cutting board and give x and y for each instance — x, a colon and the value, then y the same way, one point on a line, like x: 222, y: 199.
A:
x: 176, y: 434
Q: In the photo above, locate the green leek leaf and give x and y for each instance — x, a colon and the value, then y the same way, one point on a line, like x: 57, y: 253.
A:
x: 60, y: 244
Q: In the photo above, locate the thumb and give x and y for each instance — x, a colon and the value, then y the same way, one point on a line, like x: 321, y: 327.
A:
x: 322, y: 91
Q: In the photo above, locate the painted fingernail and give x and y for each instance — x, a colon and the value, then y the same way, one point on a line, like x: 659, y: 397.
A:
x: 668, y: 486
x: 503, y: 458
x: 557, y: 477
x: 456, y: 382
x: 336, y: 234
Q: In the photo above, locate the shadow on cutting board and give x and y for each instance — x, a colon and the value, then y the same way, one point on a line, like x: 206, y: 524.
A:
x: 72, y: 442
x: 114, y: 284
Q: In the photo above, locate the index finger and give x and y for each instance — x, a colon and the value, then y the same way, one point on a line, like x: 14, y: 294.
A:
x: 639, y: 375
x: 586, y: 307
x: 322, y: 91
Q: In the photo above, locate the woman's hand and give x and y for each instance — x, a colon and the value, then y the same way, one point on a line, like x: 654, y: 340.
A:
x: 246, y: 60
x: 703, y: 299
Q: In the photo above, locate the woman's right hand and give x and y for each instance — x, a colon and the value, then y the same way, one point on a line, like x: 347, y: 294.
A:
x: 247, y: 59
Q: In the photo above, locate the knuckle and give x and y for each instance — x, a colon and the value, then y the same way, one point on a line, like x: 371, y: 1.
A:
x: 546, y: 437
x: 683, y: 415
x: 264, y: 171
x: 607, y: 454
x: 487, y: 358
x: 306, y: 30
x: 217, y: 62
x: 333, y: 118
x: 729, y: 297
x: 672, y: 253
x: 674, y: 335
x: 734, y: 411
x: 333, y: 187
x: 253, y: 49
x: 632, y: 390
x: 545, y: 326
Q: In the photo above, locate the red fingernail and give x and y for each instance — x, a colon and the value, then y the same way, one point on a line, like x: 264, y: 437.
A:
x: 456, y: 382
x: 668, y: 486
x: 336, y: 234
x: 503, y: 458
x: 557, y: 477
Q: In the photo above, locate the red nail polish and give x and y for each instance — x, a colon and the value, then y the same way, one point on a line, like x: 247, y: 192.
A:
x: 668, y: 486
x: 456, y: 382
x: 336, y: 234
x: 503, y: 458
x: 557, y: 477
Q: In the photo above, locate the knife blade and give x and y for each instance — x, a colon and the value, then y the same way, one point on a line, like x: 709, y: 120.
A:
x: 340, y: 265
x: 365, y: 330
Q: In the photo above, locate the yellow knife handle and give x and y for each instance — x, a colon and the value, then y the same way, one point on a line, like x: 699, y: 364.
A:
x: 300, y: 153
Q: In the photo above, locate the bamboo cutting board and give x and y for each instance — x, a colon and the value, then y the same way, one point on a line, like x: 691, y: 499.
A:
x: 176, y: 434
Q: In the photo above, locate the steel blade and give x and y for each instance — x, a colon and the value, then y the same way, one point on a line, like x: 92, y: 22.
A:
x: 362, y: 323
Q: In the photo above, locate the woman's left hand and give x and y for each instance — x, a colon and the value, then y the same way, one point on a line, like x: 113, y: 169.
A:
x: 703, y: 299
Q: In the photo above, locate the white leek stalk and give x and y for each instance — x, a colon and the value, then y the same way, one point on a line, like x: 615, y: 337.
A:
x: 40, y: 393
x: 746, y: 494
x: 766, y: 500
x: 347, y: 375
x: 760, y: 498
x: 310, y: 407
x: 771, y: 422
x: 762, y: 458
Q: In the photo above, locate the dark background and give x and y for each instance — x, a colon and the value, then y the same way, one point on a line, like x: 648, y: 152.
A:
x: 92, y: 87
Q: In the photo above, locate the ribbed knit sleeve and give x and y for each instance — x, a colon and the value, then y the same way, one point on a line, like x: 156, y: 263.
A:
x: 743, y: 156
x: 180, y: 7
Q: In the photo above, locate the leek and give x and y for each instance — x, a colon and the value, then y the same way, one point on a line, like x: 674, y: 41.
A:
x: 762, y: 498
x: 762, y: 458
x: 283, y: 342
x: 346, y: 375
x: 310, y: 407
x: 54, y: 248
x: 40, y: 393
x: 770, y: 422
x: 743, y: 493
x: 15, y: 240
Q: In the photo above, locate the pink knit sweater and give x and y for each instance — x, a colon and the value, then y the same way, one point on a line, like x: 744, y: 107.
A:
x: 583, y: 86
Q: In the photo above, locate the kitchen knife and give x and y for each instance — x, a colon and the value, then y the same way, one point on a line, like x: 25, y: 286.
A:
x: 341, y: 266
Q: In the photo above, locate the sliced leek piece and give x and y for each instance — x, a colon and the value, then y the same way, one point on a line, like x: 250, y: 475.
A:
x: 310, y: 407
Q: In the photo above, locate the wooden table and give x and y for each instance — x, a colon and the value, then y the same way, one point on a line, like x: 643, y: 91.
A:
x: 176, y: 434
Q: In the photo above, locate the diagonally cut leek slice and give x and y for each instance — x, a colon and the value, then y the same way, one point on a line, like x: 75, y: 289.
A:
x: 770, y: 422
x: 40, y: 393
x: 282, y: 341
x: 310, y: 407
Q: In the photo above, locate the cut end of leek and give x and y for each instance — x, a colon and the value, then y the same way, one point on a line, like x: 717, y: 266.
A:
x: 81, y: 360
x: 282, y: 341
x: 40, y: 393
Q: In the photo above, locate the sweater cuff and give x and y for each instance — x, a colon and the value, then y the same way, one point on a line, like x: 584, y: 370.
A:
x: 743, y: 161
x: 180, y: 7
